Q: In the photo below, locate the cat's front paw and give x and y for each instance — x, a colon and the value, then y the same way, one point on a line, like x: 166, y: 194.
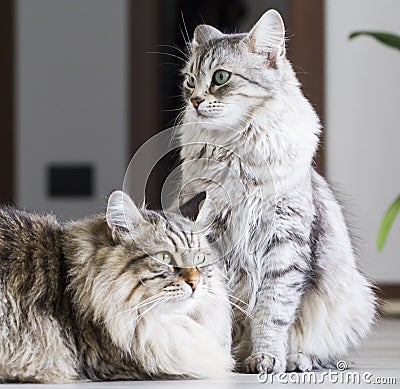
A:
x: 265, y: 363
x: 299, y: 362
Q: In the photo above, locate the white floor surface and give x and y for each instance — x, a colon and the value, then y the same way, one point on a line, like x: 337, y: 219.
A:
x: 377, y: 360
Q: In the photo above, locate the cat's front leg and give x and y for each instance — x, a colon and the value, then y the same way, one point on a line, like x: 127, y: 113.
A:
x: 278, y: 299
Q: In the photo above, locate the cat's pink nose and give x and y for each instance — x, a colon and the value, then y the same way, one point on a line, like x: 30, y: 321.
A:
x: 196, y: 101
x: 192, y: 284
x: 191, y: 276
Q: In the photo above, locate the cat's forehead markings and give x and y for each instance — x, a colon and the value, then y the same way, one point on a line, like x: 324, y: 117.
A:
x: 174, y: 243
x: 195, y: 242
x: 186, y: 237
x: 175, y: 233
x: 191, y: 239
x: 201, y: 58
x: 208, y: 61
x: 209, y: 64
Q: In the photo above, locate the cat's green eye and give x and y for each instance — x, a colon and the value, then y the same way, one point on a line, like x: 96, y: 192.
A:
x: 191, y: 81
x: 166, y: 258
x: 200, y: 259
x: 221, y: 77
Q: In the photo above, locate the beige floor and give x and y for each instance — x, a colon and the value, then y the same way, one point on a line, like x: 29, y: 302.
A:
x: 377, y: 359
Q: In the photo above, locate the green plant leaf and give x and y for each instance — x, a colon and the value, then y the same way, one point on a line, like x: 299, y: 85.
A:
x: 386, y: 38
x: 387, y: 221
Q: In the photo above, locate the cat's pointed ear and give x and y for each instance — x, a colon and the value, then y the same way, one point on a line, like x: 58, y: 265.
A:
x: 192, y: 208
x: 204, y: 33
x: 268, y: 35
x: 122, y: 215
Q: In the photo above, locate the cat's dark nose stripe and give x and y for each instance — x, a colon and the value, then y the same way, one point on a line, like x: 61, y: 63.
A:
x: 192, y: 284
x: 196, y: 101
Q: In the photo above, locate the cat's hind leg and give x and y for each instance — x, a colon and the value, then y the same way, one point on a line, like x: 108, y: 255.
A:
x: 35, y: 351
x: 331, y: 321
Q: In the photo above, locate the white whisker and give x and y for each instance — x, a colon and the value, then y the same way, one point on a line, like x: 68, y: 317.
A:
x: 187, y: 38
x: 143, y: 303
x: 168, y: 54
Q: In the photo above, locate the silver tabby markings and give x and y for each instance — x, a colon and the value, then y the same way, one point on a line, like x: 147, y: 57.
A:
x: 125, y: 295
x: 285, y: 242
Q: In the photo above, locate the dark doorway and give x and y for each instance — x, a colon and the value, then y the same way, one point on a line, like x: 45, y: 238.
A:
x: 6, y: 101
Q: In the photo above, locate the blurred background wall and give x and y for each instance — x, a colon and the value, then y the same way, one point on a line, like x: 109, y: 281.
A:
x: 83, y: 85
x: 362, y: 93
x: 71, y: 103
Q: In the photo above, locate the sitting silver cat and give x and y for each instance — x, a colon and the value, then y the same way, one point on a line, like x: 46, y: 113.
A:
x: 248, y: 138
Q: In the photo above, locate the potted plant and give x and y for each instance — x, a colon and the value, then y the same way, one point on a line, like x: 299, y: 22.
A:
x: 391, y: 40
